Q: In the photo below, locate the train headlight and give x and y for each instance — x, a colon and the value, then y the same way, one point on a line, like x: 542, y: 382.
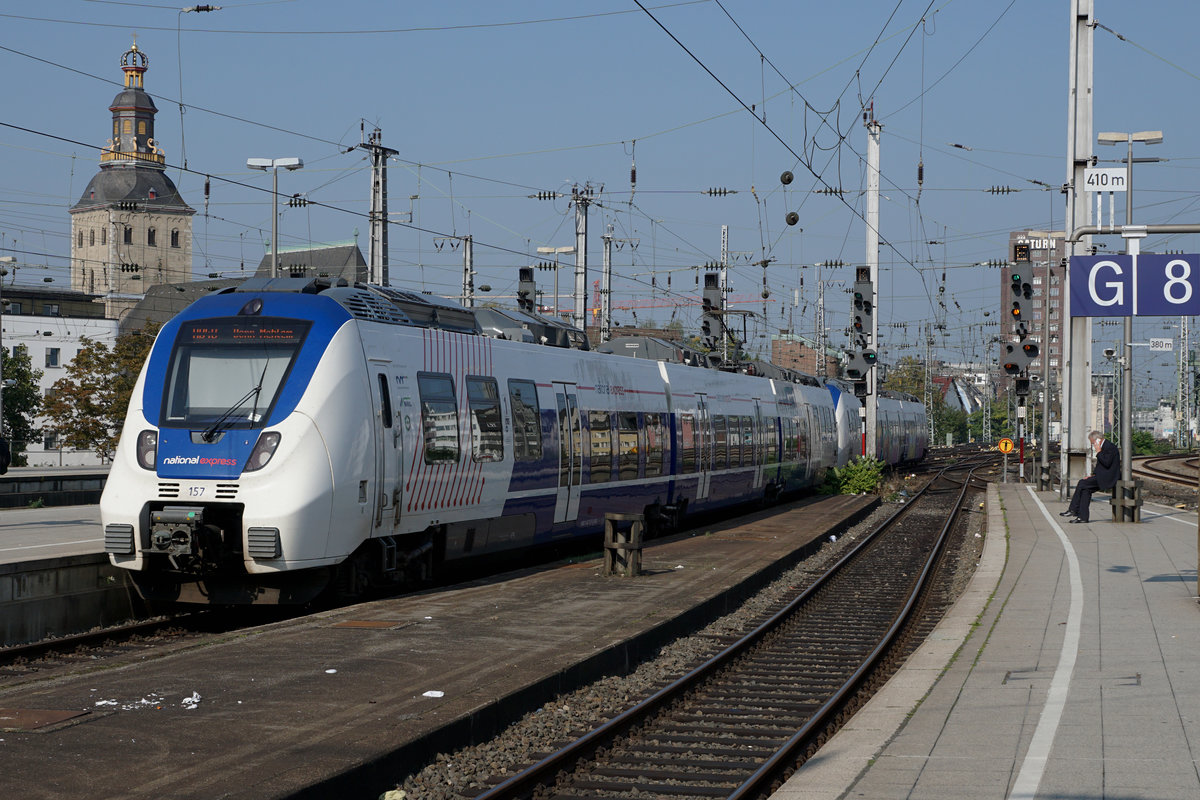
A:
x: 147, y: 449
x: 260, y: 456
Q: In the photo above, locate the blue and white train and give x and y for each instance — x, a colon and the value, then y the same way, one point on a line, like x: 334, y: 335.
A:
x: 288, y: 436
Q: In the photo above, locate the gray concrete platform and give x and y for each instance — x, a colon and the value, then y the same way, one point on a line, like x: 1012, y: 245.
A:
x: 360, y: 696
x: 32, y: 534
x: 1070, y: 669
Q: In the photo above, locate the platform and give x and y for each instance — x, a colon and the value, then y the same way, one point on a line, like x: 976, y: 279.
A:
x: 1070, y: 669
x: 338, y: 701
x: 52, y: 486
x: 32, y: 534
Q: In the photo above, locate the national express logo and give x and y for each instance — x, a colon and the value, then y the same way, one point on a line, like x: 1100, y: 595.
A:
x: 205, y: 460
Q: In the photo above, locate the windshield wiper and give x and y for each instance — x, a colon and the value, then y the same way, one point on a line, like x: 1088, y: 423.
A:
x: 211, y: 432
x: 254, y: 392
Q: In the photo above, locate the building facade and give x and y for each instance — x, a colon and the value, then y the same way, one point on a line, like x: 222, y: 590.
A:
x: 130, y: 228
x: 49, y: 324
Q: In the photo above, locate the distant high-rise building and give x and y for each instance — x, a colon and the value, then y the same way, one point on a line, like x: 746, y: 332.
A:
x: 130, y: 229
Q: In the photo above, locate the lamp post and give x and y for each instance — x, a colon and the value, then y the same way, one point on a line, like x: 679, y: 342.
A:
x: 556, y: 252
x: 3, y: 272
x: 273, y: 164
x: 1132, y: 247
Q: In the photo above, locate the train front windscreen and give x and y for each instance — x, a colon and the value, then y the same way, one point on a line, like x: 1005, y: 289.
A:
x: 227, y: 372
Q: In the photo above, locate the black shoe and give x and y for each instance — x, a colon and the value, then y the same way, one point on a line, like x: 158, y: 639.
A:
x: 1066, y: 513
x: 1077, y: 519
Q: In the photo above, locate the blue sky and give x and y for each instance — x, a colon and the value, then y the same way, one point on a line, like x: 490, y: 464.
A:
x: 488, y: 103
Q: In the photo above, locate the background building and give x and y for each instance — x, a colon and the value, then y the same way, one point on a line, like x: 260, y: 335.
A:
x: 130, y: 228
x: 48, y: 324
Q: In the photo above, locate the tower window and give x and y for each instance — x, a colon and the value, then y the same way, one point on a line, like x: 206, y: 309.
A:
x: 151, y: 237
x: 79, y: 239
x: 142, y: 128
x: 128, y: 235
x: 104, y: 236
x: 91, y: 237
x: 127, y: 126
x: 175, y: 237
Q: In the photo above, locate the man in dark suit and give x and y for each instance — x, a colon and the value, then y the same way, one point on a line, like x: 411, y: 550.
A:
x: 1108, y: 471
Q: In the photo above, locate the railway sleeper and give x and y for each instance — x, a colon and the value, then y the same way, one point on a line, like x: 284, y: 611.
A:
x: 677, y: 789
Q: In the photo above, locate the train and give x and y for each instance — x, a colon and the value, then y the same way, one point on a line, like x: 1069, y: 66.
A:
x: 288, y: 437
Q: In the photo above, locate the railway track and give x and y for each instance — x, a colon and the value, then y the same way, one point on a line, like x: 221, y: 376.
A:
x: 1178, y: 469
x: 95, y: 646
x: 738, y: 724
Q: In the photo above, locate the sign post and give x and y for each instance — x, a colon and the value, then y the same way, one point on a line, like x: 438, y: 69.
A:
x: 1006, y: 447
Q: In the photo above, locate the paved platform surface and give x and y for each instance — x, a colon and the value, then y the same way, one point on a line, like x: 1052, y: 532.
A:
x: 343, y: 693
x: 31, y: 534
x: 1069, y: 670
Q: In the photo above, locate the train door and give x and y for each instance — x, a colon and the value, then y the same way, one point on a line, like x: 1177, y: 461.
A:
x: 704, y: 447
x: 388, y: 445
x: 570, y: 453
x: 756, y: 443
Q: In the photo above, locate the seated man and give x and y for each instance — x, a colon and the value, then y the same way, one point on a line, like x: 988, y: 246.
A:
x: 1108, y: 470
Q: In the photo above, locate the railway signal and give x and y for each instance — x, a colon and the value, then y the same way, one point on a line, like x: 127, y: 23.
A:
x: 863, y: 313
x: 1021, y: 288
x: 1015, y: 357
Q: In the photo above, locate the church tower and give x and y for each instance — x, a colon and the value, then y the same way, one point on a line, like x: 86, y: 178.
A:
x: 130, y: 229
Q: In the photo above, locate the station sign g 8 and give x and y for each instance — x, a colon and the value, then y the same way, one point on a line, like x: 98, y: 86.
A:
x: 1146, y: 285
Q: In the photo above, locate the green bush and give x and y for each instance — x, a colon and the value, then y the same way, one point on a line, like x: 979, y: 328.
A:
x: 863, y: 474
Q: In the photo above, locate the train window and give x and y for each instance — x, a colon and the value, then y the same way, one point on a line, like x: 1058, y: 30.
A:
x: 655, y: 445
x: 750, y: 454
x: 627, y: 443
x: 385, y: 406
x: 687, y: 443
x: 803, y: 430
x: 439, y: 417
x: 720, y: 445
x: 601, y: 441
x: 771, y: 435
x: 527, y: 420
x: 487, y: 430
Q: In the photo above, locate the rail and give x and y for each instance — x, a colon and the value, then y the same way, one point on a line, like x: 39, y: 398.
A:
x: 754, y: 647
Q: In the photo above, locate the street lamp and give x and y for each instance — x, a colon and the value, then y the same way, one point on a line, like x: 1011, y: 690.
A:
x: 273, y: 164
x: 556, y: 252
x: 1132, y: 247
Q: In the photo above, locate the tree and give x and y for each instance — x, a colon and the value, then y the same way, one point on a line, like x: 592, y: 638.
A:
x: 907, y: 375
x: 87, y: 408
x: 22, y: 401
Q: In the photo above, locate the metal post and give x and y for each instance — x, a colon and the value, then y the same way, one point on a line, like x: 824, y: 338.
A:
x: 582, y: 201
x: 1077, y: 341
x: 274, y: 222
x: 468, y: 272
x: 377, y: 248
x: 873, y: 130
x: 3, y: 272
x: 606, y: 288
x: 1044, y: 475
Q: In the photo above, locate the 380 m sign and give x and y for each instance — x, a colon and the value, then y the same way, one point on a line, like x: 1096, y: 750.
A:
x: 1146, y: 285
